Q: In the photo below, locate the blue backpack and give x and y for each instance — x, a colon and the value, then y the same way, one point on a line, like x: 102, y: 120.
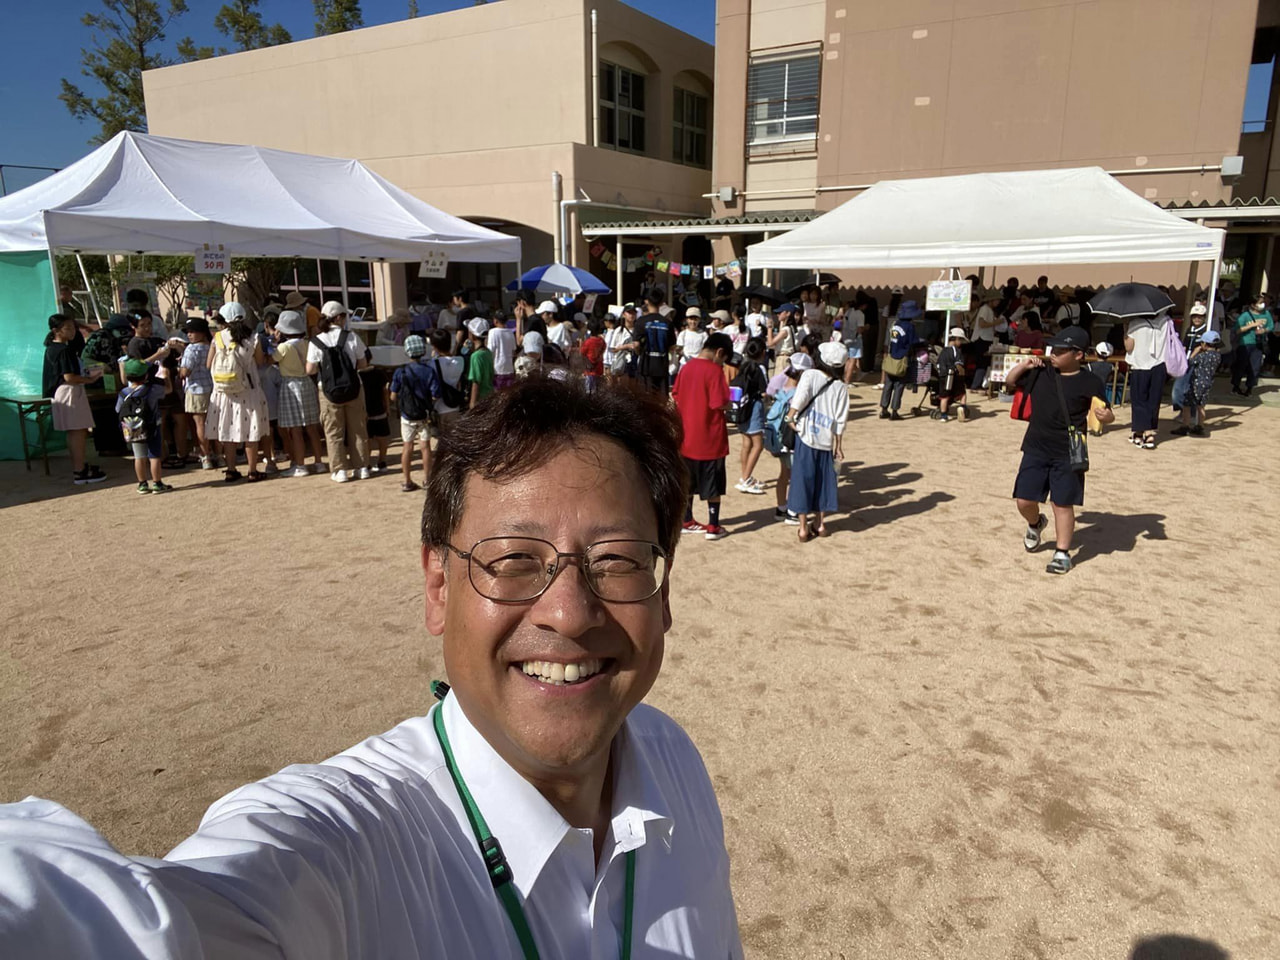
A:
x: 773, y: 421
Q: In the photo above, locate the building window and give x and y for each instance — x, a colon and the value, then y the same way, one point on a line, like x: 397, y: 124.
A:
x: 782, y: 98
x: 689, y: 128
x: 621, y: 108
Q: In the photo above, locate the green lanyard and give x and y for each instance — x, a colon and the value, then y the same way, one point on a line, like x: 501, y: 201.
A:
x: 495, y: 860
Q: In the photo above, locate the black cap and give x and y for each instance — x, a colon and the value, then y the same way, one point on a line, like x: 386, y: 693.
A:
x: 197, y: 325
x: 1076, y: 338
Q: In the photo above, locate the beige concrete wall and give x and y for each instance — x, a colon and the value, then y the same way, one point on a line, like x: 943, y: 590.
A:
x: 937, y: 87
x: 779, y: 23
x: 467, y: 80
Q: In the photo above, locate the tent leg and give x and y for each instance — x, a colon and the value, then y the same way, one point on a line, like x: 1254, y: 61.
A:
x: 1266, y: 263
x: 617, y: 290
x: 93, y: 300
x: 1213, y: 289
x: 342, y: 275
x: 320, y: 279
x: 1189, y: 300
x: 53, y: 272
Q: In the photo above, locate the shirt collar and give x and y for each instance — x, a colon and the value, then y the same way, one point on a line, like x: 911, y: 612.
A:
x: 526, y: 824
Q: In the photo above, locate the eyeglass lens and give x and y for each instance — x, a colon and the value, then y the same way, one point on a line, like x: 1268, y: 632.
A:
x: 512, y: 569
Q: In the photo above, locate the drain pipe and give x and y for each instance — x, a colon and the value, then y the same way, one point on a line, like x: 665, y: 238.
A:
x: 557, y: 192
x: 595, y: 82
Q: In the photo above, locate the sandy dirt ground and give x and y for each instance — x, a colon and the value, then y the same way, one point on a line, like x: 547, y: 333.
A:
x: 924, y: 745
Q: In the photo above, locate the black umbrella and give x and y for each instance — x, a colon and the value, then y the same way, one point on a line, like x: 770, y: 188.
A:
x: 822, y: 280
x: 1129, y: 301
x: 770, y: 295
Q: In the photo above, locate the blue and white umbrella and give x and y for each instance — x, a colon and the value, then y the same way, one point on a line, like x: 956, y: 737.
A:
x: 558, y: 279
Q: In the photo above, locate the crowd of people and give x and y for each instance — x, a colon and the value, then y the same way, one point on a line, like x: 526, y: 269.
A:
x: 295, y: 383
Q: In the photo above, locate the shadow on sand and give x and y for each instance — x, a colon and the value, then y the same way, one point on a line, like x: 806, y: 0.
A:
x: 1171, y: 946
x: 1099, y: 534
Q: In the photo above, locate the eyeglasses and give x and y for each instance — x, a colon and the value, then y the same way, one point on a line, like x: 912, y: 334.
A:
x: 520, y: 569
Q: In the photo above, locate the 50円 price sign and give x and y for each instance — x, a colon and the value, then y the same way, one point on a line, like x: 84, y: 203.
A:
x: 213, y: 258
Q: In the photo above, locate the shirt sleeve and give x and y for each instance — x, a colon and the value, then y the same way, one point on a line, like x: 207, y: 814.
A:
x: 313, y: 352
x: 718, y: 392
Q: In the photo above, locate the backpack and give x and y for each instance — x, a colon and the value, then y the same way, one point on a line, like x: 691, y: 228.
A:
x: 227, y: 377
x: 136, y: 419
x: 1175, y: 355
x: 412, y: 406
x: 338, y: 377
x: 451, y: 396
x: 740, y: 411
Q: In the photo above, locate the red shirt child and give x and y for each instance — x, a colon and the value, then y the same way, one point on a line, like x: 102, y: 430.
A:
x: 593, y: 353
x: 701, y: 394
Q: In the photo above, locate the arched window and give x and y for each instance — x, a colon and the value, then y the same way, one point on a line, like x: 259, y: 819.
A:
x: 624, y: 72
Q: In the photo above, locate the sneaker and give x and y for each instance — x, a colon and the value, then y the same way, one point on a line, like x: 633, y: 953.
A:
x: 144, y: 487
x: 878, y: 386
x: 742, y: 486
x: 715, y: 531
x: 780, y: 513
x: 944, y: 418
x: 319, y: 467
x: 409, y: 486
x: 692, y: 526
x: 338, y: 476
x: 896, y: 416
x: 88, y: 475
x: 884, y: 414
x: 231, y: 475
x: 159, y: 486
x: 364, y: 473
x: 754, y: 485
x: 1031, y: 539
x: 1061, y: 563
x: 382, y: 466
x: 301, y: 470
x: 206, y: 463
x: 1198, y: 430
x: 1180, y: 431
x: 271, y: 468
x: 793, y: 519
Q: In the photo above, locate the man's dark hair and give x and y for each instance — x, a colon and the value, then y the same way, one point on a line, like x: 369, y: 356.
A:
x: 461, y: 294
x: 754, y: 350
x: 595, y: 326
x: 137, y: 296
x: 515, y: 431
x: 441, y: 341
x: 1033, y: 320
x: 719, y: 341
x: 654, y: 298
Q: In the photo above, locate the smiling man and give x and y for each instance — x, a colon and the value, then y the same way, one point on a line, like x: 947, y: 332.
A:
x: 540, y: 810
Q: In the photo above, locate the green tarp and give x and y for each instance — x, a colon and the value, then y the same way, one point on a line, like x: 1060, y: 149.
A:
x: 27, y: 298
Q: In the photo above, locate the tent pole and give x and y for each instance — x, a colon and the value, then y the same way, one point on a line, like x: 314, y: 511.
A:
x: 342, y: 275
x: 53, y: 272
x: 89, y: 286
x: 1189, y: 300
x: 320, y: 279
x: 617, y: 292
x: 1213, y: 289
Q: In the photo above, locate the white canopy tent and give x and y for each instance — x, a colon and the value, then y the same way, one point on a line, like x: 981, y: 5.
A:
x: 1025, y: 217
x: 144, y: 194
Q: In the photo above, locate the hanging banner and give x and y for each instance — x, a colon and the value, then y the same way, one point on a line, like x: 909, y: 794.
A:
x: 948, y: 295
x: 434, y: 265
x: 212, y: 258
x: 676, y: 269
x: 708, y: 273
x: 661, y: 266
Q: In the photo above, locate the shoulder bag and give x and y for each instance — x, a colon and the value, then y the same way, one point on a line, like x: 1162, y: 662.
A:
x: 787, y: 432
x: 1077, y: 442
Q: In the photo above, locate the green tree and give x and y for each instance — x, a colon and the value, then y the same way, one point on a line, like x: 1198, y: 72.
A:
x: 127, y: 35
x: 336, y: 16
x: 241, y: 22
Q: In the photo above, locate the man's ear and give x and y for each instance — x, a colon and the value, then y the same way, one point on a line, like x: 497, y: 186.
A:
x: 436, y: 589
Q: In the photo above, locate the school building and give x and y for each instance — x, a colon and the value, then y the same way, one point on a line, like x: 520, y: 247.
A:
x: 528, y: 116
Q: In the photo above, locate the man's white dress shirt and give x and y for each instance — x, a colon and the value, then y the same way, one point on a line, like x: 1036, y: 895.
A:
x: 369, y: 855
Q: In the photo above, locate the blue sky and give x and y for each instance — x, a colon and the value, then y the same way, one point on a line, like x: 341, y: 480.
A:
x: 35, y: 127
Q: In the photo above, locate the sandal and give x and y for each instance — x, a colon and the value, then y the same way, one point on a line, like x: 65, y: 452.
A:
x: 1148, y: 441
x: 255, y: 476
x: 231, y: 476
x: 822, y: 531
x: 409, y: 487
x: 173, y: 463
x: 804, y: 535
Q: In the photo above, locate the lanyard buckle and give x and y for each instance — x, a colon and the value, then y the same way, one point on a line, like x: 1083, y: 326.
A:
x: 495, y: 862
